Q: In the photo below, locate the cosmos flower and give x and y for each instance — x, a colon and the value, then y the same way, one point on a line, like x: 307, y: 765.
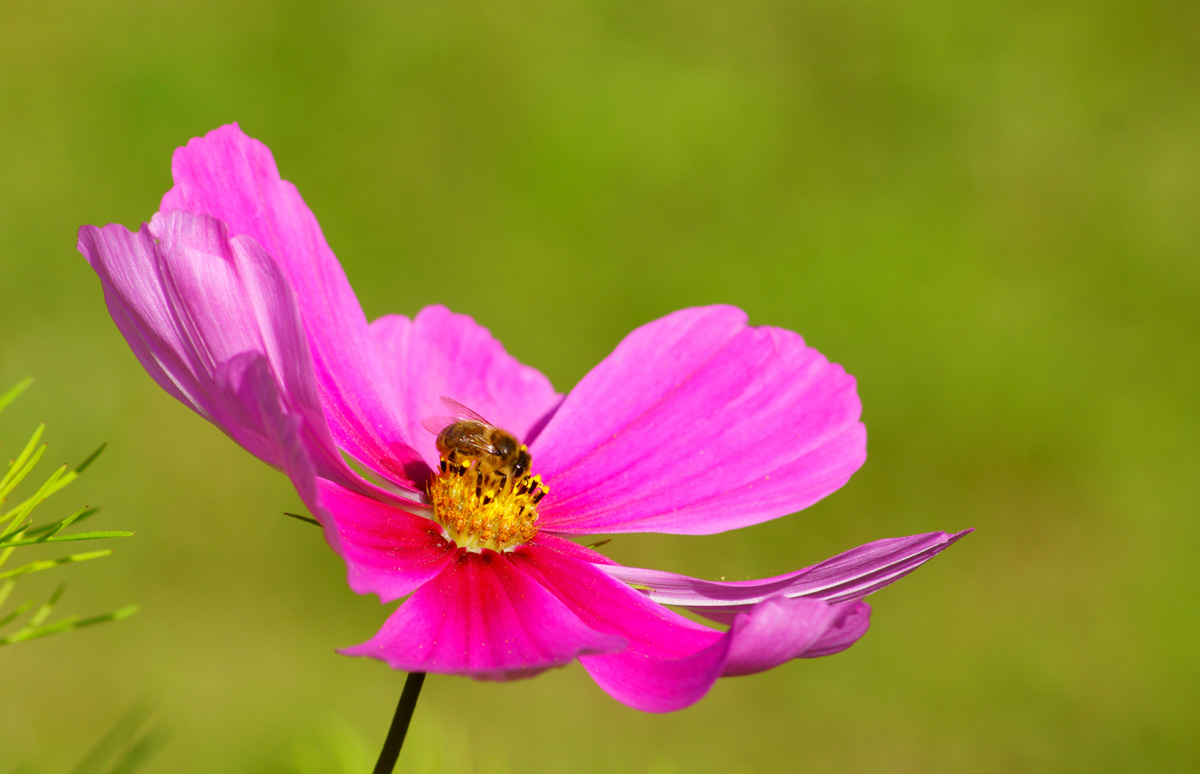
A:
x: 697, y: 423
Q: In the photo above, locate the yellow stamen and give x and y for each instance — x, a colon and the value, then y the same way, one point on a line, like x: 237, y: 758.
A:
x: 481, y: 507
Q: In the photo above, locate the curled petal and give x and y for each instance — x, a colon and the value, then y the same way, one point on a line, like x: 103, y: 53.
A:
x: 854, y: 618
x: 845, y: 577
x: 698, y: 423
x: 233, y: 178
x: 198, y: 309
x: 440, y: 353
x: 486, y: 617
x: 672, y: 662
x: 762, y: 637
x: 775, y: 631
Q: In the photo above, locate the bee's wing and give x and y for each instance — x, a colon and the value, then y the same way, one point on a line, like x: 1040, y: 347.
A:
x: 436, y: 424
x: 461, y: 411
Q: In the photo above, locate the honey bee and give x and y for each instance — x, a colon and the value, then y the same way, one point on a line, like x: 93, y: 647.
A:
x: 470, y: 440
x: 485, y: 494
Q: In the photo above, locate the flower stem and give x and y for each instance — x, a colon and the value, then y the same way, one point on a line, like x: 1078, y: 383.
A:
x: 404, y: 711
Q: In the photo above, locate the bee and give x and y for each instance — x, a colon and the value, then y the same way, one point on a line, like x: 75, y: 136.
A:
x: 469, y: 440
x: 485, y: 495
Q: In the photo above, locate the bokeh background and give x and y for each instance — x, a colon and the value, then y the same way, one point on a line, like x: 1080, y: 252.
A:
x: 986, y: 211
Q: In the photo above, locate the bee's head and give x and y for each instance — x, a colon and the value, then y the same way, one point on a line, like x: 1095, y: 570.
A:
x: 504, y: 445
x: 520, y: 465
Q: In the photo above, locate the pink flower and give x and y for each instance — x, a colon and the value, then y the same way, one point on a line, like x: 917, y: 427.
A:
x: 697, y: 423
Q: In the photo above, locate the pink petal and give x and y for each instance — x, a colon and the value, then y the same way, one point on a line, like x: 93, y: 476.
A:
x: 127, y: 264
x: 653, y: 683
x: 698, y: 423
x: 845, y: 577
x: 483, y: 616
x: 387, y: 551
x: 775, y: 631
x: 247, y: 398
x: 852, y: 623
x: 233, y: 178
x: 608, y: 605
x: 672, y: 662
x: 572, y: 549
x: 198, y: 309
x: 442, y: 353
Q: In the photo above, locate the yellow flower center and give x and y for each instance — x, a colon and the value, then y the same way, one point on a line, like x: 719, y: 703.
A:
x: 484, y: 495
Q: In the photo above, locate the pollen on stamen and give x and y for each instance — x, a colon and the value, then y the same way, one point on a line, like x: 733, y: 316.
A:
x: 480, y: 507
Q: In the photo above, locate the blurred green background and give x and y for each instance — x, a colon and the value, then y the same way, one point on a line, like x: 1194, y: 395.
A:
x: 987, y: 212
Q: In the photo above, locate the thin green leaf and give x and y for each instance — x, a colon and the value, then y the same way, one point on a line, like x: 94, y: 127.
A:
x: 86, y: 513
x: 7, y: 530
x: 69, y: 623
x: 90, y: 459
x: 27, y: 633
x: 298, y: 517
x: 6, y: 589
x: 20, y: 467
x: 46, y: 564
x: 14, y: 526
x: 45, y: 490
x: 11, y: 394
x: 16, y: 613
x: 44, y: 611
x: 58, y: 479
x: 60, y: 526
x: 66, y: 538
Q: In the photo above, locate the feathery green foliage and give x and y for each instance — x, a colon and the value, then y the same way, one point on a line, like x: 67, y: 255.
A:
x: 18, y: 530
